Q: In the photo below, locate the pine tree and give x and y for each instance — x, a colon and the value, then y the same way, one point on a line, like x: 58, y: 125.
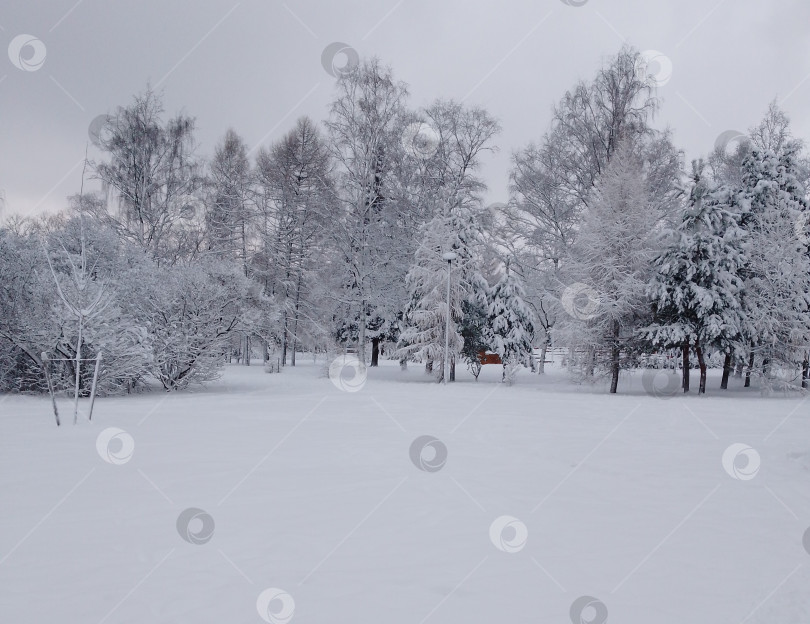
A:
x: 423, y: 335
x: 510, y: 322
x: 697, y: 287
x: 476, y: 335
x: 777, y: 275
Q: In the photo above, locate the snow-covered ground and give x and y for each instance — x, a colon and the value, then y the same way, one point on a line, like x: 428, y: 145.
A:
x: 311, y: 490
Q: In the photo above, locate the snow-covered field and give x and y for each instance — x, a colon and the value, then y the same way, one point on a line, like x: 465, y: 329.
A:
x: 311, y: 490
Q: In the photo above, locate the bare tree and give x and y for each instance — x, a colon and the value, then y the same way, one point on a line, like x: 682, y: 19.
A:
x: 293, y: 179
x: 152, y: 176
x: 229, y: 215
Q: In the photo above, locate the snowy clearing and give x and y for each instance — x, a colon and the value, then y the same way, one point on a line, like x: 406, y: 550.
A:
x: 310, y: 490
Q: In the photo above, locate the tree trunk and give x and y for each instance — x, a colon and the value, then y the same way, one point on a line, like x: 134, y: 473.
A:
x: 452, y: 369
x: 429, y: 367
x: 702, y: 365
x: 45, y: 364
x: 284, y: 340
x: 246, y: 361
x: 738, y: 371
x: 805, y: 371
x: 375, y: 351
x: 685, y: 378
x: 591, y: 362
x: 295, y: 318
x: 361, y: 335
x: 748, y: 370
x: 541, y: 365
x: 265, y: 352
x: 403, y: 364
x: 726, y: 372
x: 614, y: 359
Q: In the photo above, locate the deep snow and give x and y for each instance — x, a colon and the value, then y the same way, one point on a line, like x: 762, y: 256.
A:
x: 312, y: 490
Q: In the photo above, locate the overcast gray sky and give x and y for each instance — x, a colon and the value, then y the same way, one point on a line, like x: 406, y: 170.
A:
x: 255, y: 65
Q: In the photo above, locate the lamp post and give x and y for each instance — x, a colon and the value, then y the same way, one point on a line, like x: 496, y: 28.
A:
x: 449, y: 256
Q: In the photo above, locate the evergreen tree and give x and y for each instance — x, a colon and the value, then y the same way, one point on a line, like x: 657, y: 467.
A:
x: 423, y: 335
x: 476, y: 335
x: 697, y: 287
x: 777, y: 274
x: 510, y: 322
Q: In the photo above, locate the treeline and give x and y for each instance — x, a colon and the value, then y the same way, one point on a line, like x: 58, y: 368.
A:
x: 346, y: 234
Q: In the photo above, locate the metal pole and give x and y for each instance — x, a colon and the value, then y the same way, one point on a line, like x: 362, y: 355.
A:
x: 447, y: 328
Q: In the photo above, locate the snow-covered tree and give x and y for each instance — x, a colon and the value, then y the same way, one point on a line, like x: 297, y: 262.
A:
x: 229, y: 214
x: 697, y: 287
x: 613, y: 256
x: 510, y: 324
x: 552, y: 181
x: 190, y: 312
x: 153, y: 178
x: 362, y: 128
x: 294, y: 197
x: 423, y: 336
x: 464, y: 135
x: 777, y: 274
x: 33, y: 318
